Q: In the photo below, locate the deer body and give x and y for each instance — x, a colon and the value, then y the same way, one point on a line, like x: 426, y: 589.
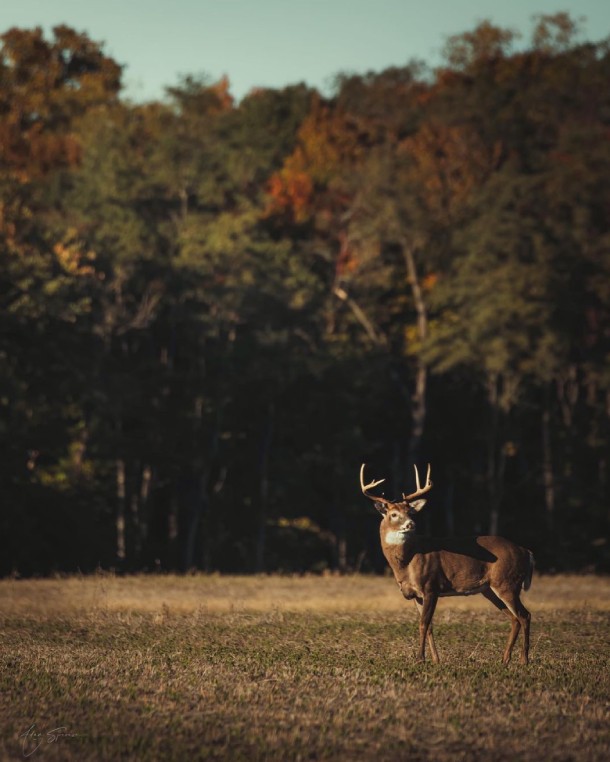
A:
x: 427, y: 568
x: 455, y: 566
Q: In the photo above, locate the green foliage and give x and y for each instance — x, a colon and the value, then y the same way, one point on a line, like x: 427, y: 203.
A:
x: 214, y: 312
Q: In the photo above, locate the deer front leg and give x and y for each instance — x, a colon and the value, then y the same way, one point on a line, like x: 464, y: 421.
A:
x: 431, y: 643
x: 426, y: 607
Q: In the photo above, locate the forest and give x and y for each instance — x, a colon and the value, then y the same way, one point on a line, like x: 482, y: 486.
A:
x: 212, y: 313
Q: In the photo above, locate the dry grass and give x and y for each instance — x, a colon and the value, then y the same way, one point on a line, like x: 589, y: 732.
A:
x: 226, y: 594
x: 274, y: 668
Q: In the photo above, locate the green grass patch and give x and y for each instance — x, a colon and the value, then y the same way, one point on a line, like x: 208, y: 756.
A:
x: 281, y: 684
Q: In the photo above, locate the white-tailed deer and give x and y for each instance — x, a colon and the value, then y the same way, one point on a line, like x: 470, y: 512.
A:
x: 427, y: 568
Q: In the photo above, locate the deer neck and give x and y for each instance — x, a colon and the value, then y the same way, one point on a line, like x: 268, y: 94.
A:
x: 398, y: 549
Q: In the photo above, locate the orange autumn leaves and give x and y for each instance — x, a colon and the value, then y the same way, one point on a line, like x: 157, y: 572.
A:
x: 444, y: 162
x: 44, y: 87
x: 448, y: 163
x: 326, y: 143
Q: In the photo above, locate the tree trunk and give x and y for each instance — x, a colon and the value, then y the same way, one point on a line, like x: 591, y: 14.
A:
x: 198, y: 501
x: 496, y: 483
x: 547, y: 469
x: 495, y: 455
x: 173, y: 530
x: 142, y: 523
x: 135, y: 515
x: 418, y: 396
x: 263, y: 492
x: 492, y: 466
x: 120, y: 511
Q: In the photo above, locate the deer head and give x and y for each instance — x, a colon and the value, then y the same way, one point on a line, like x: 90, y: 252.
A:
x: 398, y: 515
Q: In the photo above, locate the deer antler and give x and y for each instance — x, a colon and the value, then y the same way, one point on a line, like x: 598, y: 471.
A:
x: 420, y: 490
x: 370, y: 485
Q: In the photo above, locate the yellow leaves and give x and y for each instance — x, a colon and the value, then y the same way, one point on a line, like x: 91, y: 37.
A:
x: 325, y: 142
x: 301, y: 524
x: 412, y: 340
x: 72, y: 259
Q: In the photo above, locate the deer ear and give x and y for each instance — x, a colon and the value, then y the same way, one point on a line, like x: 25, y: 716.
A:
x: 417, y: 505
x: 382, y: 508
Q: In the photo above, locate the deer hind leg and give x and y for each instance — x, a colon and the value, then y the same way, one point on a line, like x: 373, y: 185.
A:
x: 521, y: 619
x: 426, y: 607
x: 514, y: 622
x: 525, y: 618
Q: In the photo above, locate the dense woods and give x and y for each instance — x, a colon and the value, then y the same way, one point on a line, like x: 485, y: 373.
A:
x: 213, y: 312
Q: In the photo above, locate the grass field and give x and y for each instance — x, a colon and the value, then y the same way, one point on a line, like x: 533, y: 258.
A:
x: 279, y: 668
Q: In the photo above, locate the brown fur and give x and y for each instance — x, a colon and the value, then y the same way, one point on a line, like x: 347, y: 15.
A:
x: 427, y: 568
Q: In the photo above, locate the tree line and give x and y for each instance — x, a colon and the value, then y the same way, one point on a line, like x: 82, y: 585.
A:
x: 214, y: 312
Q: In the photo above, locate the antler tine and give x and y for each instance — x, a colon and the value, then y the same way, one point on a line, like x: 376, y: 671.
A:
x: 370, y: 485
x: 420, y: 490
x: 417, y: 478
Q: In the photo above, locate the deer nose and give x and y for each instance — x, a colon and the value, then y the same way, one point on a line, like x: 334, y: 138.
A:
x: 408, y: 526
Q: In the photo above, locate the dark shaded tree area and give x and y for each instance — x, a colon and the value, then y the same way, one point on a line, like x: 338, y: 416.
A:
x: 213, y: 313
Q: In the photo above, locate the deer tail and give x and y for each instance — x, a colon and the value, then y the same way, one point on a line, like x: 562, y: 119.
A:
x: 530, y: 571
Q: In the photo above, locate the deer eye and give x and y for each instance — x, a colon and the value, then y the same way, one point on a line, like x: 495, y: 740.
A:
x: 394, y: 515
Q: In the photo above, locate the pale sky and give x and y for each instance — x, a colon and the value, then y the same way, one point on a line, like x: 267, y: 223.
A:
x: 274, y: 43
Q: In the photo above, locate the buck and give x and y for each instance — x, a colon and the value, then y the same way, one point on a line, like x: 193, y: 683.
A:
x: 429, y: 568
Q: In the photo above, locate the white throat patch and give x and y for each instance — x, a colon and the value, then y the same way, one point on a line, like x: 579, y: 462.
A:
x: 395, y: 537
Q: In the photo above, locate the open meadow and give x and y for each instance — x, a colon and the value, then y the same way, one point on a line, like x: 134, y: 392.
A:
x: 295, y: 668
